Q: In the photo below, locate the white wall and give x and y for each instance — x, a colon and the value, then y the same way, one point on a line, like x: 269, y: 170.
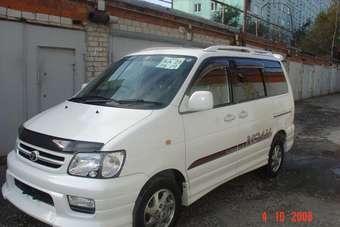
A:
x: 313, y: 80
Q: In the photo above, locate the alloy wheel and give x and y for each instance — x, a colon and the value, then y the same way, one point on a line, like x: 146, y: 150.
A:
x: 160, y: 209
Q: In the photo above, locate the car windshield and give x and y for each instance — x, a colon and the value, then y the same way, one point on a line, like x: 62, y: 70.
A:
x: 142, y: 82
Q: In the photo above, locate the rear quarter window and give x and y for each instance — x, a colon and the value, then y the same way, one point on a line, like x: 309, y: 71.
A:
x: 256, y: 78
x: 275, y: 80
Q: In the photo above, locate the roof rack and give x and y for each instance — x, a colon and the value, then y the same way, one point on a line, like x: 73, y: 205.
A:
x: 238, y: 49
x: 160, y: 48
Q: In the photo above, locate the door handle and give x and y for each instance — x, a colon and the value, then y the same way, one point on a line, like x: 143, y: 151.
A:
x: 243, y: 114
x: 39, y: 78
x: 229, y: 117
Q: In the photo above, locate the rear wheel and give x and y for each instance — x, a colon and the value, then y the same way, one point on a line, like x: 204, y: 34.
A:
x: 158, y: 205
x: 275, y: 158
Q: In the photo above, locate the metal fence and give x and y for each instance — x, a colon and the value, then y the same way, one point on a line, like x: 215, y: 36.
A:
x: 234, y: 17
x: 251, y: 23
x: 254, y: 25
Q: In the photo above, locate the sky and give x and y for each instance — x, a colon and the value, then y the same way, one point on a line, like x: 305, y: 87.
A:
x: 159, y: 2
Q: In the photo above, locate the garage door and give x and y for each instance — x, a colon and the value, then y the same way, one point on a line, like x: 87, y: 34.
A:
x: 40, y: 66
x: 11, y: 83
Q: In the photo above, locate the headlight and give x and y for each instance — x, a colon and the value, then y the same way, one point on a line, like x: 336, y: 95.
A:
x: 97, y: 165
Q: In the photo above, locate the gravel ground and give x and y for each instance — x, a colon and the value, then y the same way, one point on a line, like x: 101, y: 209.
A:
x: 309, y: 181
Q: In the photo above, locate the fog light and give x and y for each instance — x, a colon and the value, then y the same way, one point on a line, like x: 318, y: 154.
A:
x: 81, y: 204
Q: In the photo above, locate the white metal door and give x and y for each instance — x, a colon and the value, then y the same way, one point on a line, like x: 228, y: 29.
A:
x: 55, y: 76
x: 12, y: 86
x: 21, y: 56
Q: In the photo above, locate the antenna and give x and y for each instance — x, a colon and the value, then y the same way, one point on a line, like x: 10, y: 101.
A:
x: 160, y: 48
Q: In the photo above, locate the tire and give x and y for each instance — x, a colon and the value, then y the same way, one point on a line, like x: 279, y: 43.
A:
x: 275, y: 157
x: 160, y: 187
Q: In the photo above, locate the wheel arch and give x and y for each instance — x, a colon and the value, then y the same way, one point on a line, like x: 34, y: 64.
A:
x: 173, y: 174
x: 177, y: 175
x: 281, y: 135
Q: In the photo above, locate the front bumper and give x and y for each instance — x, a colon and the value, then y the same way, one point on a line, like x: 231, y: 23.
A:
x: 114, y: 198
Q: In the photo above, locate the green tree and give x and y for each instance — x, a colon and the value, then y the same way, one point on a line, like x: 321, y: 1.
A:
x: 301, y: 33
x: 230, y: 16
x: 318, y: 40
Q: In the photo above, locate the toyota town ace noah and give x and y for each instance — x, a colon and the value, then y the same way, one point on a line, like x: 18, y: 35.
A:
x: 157, y: 130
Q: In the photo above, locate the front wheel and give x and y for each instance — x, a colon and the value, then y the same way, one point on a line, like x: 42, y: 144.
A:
x: 158, y: 205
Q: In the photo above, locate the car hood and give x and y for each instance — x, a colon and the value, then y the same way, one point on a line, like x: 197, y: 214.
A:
x: 84, y: 122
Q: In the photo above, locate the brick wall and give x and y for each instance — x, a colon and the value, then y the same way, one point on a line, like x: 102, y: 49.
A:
x: 36, y: 17
x: 97, y: 45
x: 76, y: 10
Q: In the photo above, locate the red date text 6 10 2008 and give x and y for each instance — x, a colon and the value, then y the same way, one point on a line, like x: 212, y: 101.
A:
x: 291, y: 217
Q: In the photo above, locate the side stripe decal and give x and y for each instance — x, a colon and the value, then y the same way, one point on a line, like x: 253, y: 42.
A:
x: 212, y: 157
x: 256, y: 138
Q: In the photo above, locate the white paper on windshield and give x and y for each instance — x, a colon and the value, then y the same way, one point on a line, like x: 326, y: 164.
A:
x: 170, y: 63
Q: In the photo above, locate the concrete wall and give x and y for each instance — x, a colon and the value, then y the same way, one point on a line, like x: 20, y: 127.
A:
x: 313, y: 80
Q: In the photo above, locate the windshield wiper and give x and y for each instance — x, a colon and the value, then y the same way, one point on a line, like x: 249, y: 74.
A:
x: 139, y: 101
x: 93, y: 99
x: 108, y: 101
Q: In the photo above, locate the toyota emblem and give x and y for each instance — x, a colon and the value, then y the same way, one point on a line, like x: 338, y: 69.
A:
x: 34, y: 156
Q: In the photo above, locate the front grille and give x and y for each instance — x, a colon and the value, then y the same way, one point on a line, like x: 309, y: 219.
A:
x: 40, y: 157
x: 34, y: 193
x: 43, y: 154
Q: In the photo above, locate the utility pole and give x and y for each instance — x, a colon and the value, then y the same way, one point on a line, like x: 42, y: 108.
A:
x: 245, y: 15
x: 335, y: 30
x: 245, y: 21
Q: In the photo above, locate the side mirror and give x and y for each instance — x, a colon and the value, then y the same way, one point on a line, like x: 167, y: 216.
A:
x: 83, y: 86
x: 201, y: 100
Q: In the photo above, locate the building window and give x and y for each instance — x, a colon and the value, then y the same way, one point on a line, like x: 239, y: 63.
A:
x: 213, y: 6
x: 197, y: 7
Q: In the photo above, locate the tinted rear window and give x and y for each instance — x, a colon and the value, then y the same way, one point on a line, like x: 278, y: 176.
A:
x: 275, y: 80
x: 272, y: 73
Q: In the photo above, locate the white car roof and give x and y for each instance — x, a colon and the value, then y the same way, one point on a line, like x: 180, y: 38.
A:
x: 228, y: 51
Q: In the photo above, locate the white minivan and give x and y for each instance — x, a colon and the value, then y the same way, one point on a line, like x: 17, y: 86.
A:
x: 157, y: 130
